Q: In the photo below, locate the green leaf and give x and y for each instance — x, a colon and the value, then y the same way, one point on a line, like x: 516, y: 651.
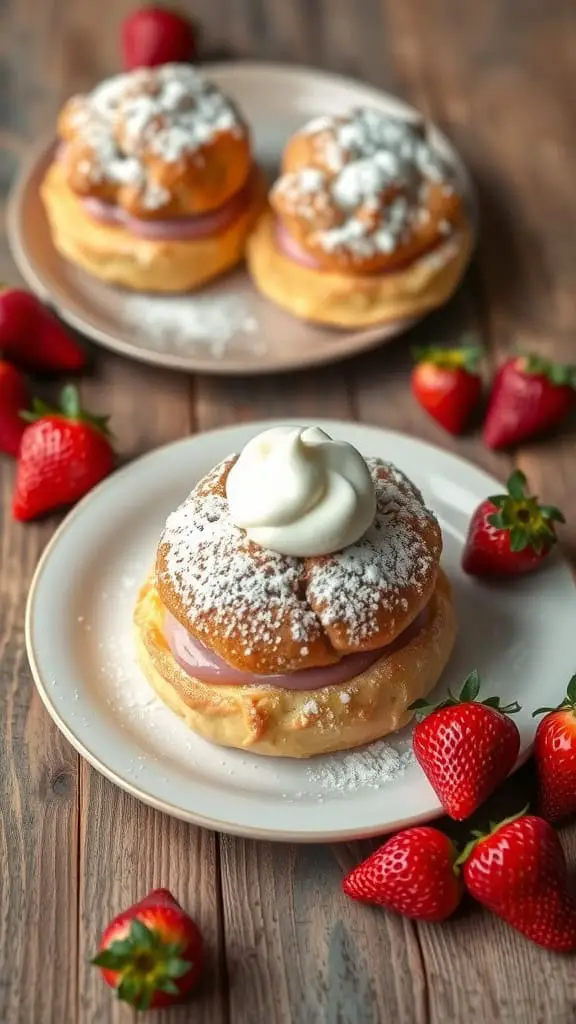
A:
x: 519, y: 539
x: 497, y: 519
x: 129, y: 990
x: 551, y: 512
x: 141, y: 935
x: 173, y: 948
x: 498, y: 500
x: 169, y: 987
x: 542, y: 711
x: 122, y: 947
x: 418, y: 705
x: 516, y: 485
x: 109, y: 959
x: 492, y: 702
x: 470, y: 688
x: 176, y: 967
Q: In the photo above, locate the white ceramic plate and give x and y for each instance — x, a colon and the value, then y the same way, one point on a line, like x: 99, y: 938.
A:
x: 228, y: 327
x: 79, y: 637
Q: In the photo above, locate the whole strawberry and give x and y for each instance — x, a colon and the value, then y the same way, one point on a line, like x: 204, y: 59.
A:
x: 446, y: 383
x: 63, y: 454
x: 33, y: 338
x: 466, y: 748
x: 519, y: 872
x: 13, y: 401
x: 555, y: 754
x: 157, y: 35
x: 152, y: 953
x: 529, y: 396
x: 413, y: 874
x: 510, y: 534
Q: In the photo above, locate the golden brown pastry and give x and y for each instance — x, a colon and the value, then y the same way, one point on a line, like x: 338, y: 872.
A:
x: 154, y: 173
x: 297, y: 655
x: 366, y: 224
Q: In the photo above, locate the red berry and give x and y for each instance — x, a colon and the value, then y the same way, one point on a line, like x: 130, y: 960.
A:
x: 465, y: 748
x: 152, y: 953
x: 529, y: 396
x: 519, y: 872
x: 63, y: 455
x: 555, y: 754
x: 446, y: 384
x: 32, y: 337
x: 156, y: 35
x: 13, y: 401
x: 510, y: 534
x: 413, y: 874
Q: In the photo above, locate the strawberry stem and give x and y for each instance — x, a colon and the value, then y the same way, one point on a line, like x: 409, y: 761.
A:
x: 478, y: 837
x: 559, y: 374
x: 145, y: 963
x: 70, y: 408
x: 468, y: 695
x: 466, y: 357
x: 529, y: 524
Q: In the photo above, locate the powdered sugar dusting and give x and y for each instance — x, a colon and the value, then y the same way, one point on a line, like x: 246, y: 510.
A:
x: 361, y: 158
x: 169, y: 112
x: 181, y: 323
x: 369, y: 768
x: 262, y: 600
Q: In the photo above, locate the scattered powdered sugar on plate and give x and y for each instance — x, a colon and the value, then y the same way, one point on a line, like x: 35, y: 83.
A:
x: 183, y: 322
x: 369, y: 768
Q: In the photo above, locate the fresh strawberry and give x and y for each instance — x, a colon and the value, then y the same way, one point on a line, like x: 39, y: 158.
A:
x: 152, y: 953
x: 32, y: 337
x: 519, y: 872
x: 13, y: 401
x: 466, y: 748
x: 555, y: 753
x: 63, y: 454
x: 447, y: 385
x: 510, y: 534
x: 529, y: 396
x: 413, y: 873
x: 156, y: 35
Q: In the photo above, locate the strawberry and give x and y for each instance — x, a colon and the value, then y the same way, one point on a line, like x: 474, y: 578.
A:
x: 529, y: 396
x: 519, y: 872
x: 13, y: 400
x: 63, y: 454
x: 152, y: 953
x: 555, y: 754
x: 32, y: 337
x: 466, y: 748
x: 156, y: 35
x: 413, y: 874
x: 447, y: 385
x: 510, y: 534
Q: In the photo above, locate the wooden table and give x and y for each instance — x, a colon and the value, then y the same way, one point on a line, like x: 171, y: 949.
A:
x: 284, y: 945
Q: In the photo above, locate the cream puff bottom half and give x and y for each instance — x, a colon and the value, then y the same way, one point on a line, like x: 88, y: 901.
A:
x: 300, y: 723
x: 346, y: 300
x: 113, y: 254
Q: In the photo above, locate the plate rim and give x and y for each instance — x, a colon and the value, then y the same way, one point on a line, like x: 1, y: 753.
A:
x: 320, y: 356
x: 165, y: 806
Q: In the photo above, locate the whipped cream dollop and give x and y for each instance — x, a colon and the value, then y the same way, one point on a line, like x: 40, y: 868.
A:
x: 296, y: 491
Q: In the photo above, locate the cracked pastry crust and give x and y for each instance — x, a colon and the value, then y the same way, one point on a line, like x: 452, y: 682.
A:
x: 115, y: 255
x: 267, y: 613
x: 294, y: 723
x: 349, y: 301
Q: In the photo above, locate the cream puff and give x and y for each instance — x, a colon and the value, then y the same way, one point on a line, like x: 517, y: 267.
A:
x: 366, y: 224
x: 296, y: 605
x: 153, y: 185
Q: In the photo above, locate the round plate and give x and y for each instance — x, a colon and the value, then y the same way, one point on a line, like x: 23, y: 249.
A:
x: 228, y: 327
x: 79, y: 637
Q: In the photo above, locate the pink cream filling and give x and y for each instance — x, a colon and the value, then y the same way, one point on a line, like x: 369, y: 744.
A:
x: 198, y: 661
x: 293, y: 250
x: 204, y: 225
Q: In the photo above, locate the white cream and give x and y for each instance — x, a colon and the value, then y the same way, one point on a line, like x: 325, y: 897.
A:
x: 296, y: 491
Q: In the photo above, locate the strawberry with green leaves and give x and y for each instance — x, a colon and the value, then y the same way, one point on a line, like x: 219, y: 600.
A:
x: 530, y: 395
x: 64, y: 453
x: 518, y: 871
x: 510, y: 534
x: 446, y: 383
x: 555, y: 755
x: 465, y: 747
x: 413, y: 874
x: 152, y: 953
